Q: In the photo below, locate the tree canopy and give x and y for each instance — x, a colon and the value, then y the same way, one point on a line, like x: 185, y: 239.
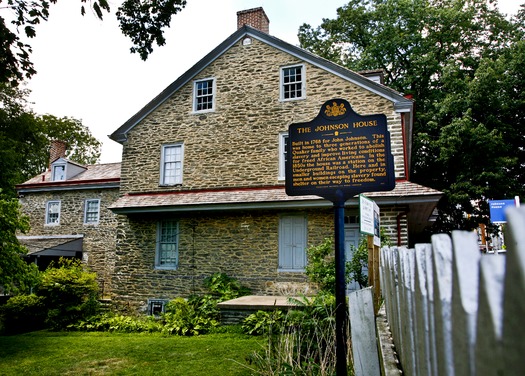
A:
x: 15, y: 273
x: 142, y: 21
x: 25, y: 139
x: 463, y: 63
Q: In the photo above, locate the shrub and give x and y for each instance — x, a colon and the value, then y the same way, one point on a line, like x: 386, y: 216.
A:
x: 263, y: 322
x: 223, y: 287
x: 187, y: 317
x: 23, y: 313
x: 321, y: 266
x: 304, y: 343
x: 109, y: 322
x: 359, y: 262
x: 70, y: 293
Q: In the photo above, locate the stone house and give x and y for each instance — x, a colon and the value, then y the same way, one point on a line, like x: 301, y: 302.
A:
x: 202, y: 179
x: 201, y: 188
x: 68, y: 211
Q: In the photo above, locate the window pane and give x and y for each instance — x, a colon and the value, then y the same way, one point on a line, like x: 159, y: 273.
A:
x: 92, y: 211
x: 172, y: 168
x: 292, y: 82
x: 53, y: 212
x: 168, y: 244
x: 59, y: 173
x: 204, y: 95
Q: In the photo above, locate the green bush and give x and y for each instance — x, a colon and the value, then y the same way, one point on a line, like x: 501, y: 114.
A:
x: 109, y: 322
x: 23, y: 313
x: 303, y: 344
x: 263, y: 322
x: 70, y: 293
x: 223, y: 287
x: 188, y: 317
x: 321, y: 266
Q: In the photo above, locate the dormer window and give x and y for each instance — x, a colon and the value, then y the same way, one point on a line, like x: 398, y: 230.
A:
x: 59, y: 172
x: 293, y: 84
x: 204, y: 95
x: 62, y: 169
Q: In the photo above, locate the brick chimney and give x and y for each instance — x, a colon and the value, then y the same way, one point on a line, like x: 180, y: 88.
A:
x: 57, y: 150
x: 255, y: 18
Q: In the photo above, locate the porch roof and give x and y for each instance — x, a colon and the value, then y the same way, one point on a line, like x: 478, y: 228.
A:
x: 57, y: 245
x: 274, y: 197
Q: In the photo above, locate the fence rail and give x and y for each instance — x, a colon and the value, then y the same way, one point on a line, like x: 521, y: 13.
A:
x: 454, y: 311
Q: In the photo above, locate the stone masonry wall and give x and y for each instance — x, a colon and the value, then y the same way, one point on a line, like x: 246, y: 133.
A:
x: 237, y: 144
x: 99, y: 240
x: 243, y: 245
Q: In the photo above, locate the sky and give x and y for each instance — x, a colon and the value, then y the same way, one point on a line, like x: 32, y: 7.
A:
x: 85, y: 69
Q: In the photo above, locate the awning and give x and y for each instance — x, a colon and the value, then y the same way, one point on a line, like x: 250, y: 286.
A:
x: 52, y: 245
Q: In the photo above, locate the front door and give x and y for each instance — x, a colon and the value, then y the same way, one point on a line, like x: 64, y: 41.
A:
x: 352, y: 236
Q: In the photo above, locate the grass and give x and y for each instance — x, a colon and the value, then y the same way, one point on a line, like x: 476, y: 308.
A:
x: 74, y: 353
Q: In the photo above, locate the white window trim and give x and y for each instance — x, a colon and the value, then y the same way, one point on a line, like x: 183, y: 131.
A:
x: 86, y: 212
x: 282, y: 147
x: 162, y: 157
x: 303, y: 83
x: 53, y: 166
x: 194, y: 97
x: 48, y: 203
x: 157, y: 248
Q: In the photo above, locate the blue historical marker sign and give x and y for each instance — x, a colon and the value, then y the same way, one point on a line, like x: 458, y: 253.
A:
x: 339, y: 154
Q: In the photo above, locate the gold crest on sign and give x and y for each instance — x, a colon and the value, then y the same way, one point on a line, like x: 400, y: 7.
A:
x: 335, y: 109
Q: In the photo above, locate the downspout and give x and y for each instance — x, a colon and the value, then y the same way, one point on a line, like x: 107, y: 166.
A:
x: 398, y: 219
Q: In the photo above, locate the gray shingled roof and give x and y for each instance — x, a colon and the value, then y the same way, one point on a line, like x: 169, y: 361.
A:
x: 405, y: 192
x: 106, y: 174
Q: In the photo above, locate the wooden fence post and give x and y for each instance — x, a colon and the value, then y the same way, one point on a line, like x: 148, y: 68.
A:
x: 442, y: 257
x: 465, y: 279
x: 363, y: 332
x: 490, y: 316
x: 421, y: 303
x: 514, y: 298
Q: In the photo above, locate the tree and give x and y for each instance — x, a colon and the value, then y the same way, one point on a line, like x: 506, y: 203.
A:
x: 15, y: 273
x: 460, y: 61
x: 25, y: 139
x: 143, y: 21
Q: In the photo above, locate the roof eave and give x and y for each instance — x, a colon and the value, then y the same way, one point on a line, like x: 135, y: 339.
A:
x: 273, y: 205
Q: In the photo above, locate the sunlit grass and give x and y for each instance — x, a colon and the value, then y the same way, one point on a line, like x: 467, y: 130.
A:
x: 49, y: 353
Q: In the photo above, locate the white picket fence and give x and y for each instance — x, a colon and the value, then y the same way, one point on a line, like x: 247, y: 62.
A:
x: 454, y: 311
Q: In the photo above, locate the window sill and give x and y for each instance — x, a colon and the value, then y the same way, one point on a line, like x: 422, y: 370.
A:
x: 165, y: 267
x: 202, y: 112
x: 290, y: 270
x: 291, y: 99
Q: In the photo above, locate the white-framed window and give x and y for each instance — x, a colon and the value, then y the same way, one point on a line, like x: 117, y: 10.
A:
x: 91, y: 211
x: 171, y: 164
x: 292, y: 243
x: 167, y: 250
x: 204, y: 95
x: 53, y: 212
x: 59, y: 172
x: 293, y: 82
x: 283, y: 149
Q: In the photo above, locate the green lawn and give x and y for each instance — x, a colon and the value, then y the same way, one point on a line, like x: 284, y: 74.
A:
x: 50, y: 353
